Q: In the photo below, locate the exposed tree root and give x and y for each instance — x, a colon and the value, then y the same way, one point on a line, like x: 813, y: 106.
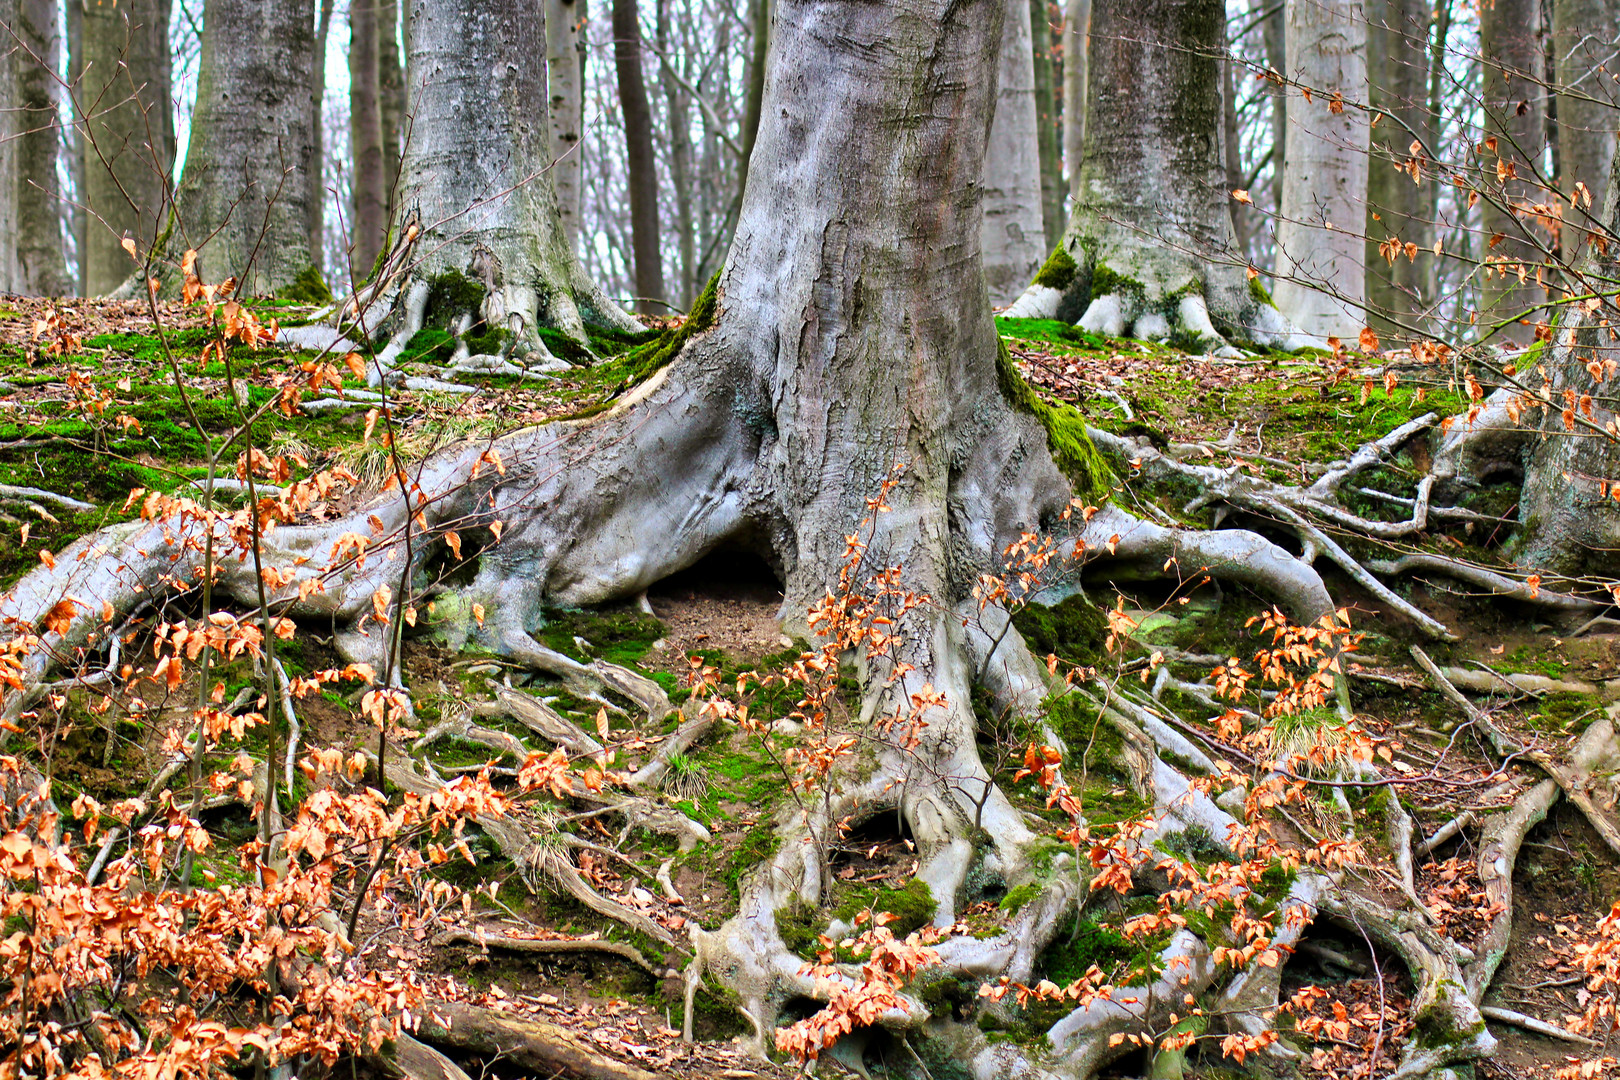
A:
x: 544, y: 946
x: 520, y: 1041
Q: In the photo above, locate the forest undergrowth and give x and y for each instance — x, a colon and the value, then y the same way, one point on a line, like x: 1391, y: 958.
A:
x: 468, y: 832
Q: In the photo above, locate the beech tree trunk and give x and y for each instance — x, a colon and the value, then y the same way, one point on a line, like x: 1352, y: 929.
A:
x: 8, y: 164
x: 1321, y: 268
x: 678, y: 111
x: 1149, y: 248
x: 1014, y: 234
x: 1076, y: 28
x: 391, y: 84
x: 316, y: 177
x: 1049, y: 124
x: 41, y: 268
x: 1570, y: 516
x: 760, y: 25
x: 244, y: 199
x: 477, y: 173
x: 1275, y: 31
x: 1586, y: 34
x: 122, y: 108
x: 1398, y: 291
x: 646, y: 240
x: 1515, y: 102
x: 565, y: 75
x: 368, y: 185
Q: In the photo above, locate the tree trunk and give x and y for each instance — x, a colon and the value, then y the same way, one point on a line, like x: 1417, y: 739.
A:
x: 760, y: 22
x: 1049, y: 125
x: 1076, y: 30
x: 476, y: 172
x: 73, y: 148
x: 1321, y: 269
x: 1014, y: 237
x: 1149, y: 249
x: 392, y: 103
x: 1274, y: 28
x: 8, y: 163
x: 368, y: 186
x: 41, y: 268
x: 646, y: 237
x: 244, y: 200
x: 1585, y: 34
x: 1399, y: 288
x: 316, y: 176
x: 1570, y: 515
x: 565, y: 75
x: 677, y: 109
x: 1232, y: 160
x: 123, y: 112
x: 1515, y: 106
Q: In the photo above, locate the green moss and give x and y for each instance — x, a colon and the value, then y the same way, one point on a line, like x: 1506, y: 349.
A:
x: 796, y: 924
x: 452, y: 294
x: 489, y: 342
x: 1053, y: 330
x: 1066, y: 436
x: 1105, y: 281
x: 1059, y: 270
x: 1260, y: 294
x: 620, y: 636
x: 1566, y: 713
x: 1015, y: 900
x: 758, y: 846
x: 1435, y: 1027
x: 309, y: 287
x: 429, y: 345
x: 913, y: 905
x: 1073, y: 629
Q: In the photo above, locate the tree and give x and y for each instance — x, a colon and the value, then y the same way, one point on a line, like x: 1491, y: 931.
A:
x: 244, y: 200
x: 8, y: 164
x: 1399, y: 287
x: 391, y: 83
x: 315, y: 180
x: 1321, y: 272
x: 1049, y: 119
x: 488, y: 245
x: 646, y: 236
x: 1583, y: 35
x: 1076, y: 29
x: 368, y: 188
x: 121, y: 106
x: 41, y: 269
x: 1149, y: 243
x: 1014, y: 236
x: 1515, y: 105
x: 565, y: 75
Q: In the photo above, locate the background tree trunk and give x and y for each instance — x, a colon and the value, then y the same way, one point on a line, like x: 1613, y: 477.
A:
x: 1398, y: 44
x: 476, y: 170
x: 1571, y: 518
x: 1275, y: 30
x: 1076, y: 28
x: 565, y: 76
x: 368, y: 188
x: 391, y: 84
x: 1515, y: 104
x: 760, y: 22
x: 1321, y: 272
x: 73, y: 147
x: 1014, y: 236
x: 41, y: 268
x: 317, y: 108
x: 123, y: 108
x: 8, y: 163
x: 246, y: 181
x: 1049, y: 124
x: 646, y: 238
x: 677, y: 111
x: 1585, y: 35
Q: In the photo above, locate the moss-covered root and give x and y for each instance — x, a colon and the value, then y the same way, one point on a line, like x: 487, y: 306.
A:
x: 1044, y: 297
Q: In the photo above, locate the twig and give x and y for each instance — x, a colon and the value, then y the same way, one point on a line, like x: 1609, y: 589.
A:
x: 1530, y: 1023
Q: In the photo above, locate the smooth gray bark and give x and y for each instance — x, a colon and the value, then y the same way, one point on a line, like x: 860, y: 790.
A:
x: 316, y: 177
x: 566, y: 107
x: 122, y: 108
x: 1515, y: 103
x: 1014, y: 239
x: 1048, y: 122
x: 1149, y: 248
x: 368, y: 185
x: 41, y: 267
x: 8, y: 164
x: 476, y: 170
x: 1586, y: 53
x: 1398, y: 48
x: 1571, y: 517
x: 646, y: 235
x: 244, y: 197
x: 1076, y: 28
x: 1275, y: 31
x: 391, y: 83
x: 1321, y: 267
x: 677, y: 106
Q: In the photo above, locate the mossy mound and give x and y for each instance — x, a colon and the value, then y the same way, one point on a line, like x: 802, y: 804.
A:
x: 309, y: 287
x: 1074, y: 630
x: 1066, y: 436
x: 619, y: 635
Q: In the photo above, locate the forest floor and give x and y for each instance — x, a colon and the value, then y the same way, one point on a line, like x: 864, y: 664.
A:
x: 89, y: 410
